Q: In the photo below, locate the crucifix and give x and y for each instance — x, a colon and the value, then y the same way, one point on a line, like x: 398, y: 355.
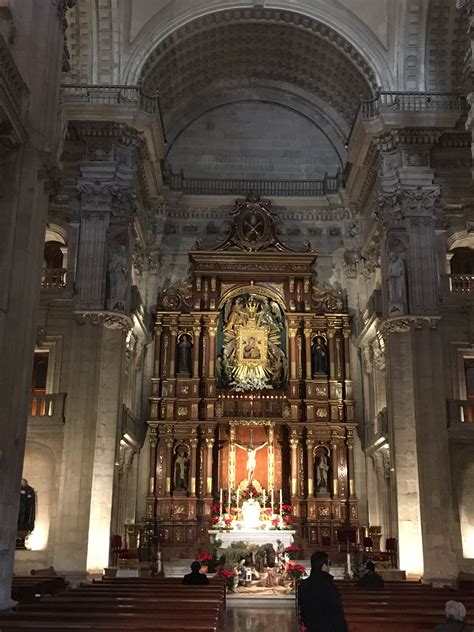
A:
x: 251, y: 455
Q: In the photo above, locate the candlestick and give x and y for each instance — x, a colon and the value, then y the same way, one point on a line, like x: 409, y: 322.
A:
x: 272, y: 501
x: 281, y: 500
x: 264, y: 499
x: 230, y: 499
x: 237, y: 501
x: 220, y: 502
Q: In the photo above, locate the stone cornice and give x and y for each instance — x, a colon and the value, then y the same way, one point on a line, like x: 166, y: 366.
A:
x: 109, y: 319
x: 404, y: 324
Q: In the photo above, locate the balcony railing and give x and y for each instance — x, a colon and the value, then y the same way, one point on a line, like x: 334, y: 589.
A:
x: 460, y: 411
x: 393, y: 102
x: 214, y: 186
x: 53, y: 278
x: 461, y: 283
x: 110, y: 95
x: 47, y: 407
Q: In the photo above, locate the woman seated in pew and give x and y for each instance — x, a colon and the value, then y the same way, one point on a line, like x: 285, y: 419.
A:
x: 195, y: 578
x: 455, y: 618
x: 371, y: 579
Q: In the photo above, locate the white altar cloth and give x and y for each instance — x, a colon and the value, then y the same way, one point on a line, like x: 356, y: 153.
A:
x: 254, y: 536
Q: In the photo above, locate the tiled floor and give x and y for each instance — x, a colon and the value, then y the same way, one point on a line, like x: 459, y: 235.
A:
x: 263, y: 619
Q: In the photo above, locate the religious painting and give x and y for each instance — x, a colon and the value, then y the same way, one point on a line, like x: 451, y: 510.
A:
x: 252, y: 346
x: 251, y: 343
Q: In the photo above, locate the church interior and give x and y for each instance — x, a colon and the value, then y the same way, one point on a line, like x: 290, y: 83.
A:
x: 235, y: 301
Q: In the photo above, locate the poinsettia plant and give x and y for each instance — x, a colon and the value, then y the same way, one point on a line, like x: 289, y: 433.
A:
x: 204, y: 557
x: 292, y: 552
x: 295, y: 571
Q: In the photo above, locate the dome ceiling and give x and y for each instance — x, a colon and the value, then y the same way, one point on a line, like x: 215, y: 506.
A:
x: 244, y: 47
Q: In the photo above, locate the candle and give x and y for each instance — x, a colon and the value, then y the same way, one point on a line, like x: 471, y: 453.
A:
x: 220, y: 502
x: 230, y: 499
x: 272, y: 500
x: 264, y: 499
x: 281, y: 500
x: 237, y: 501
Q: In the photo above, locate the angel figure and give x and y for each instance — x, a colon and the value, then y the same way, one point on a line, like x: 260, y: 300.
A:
x: 277, y: 314
x: 251, y: 458
x: 234, y: 314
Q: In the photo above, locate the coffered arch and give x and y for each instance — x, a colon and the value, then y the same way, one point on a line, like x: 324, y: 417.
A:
x: 259, y: 45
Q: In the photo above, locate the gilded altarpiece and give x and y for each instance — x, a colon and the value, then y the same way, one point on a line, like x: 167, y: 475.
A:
x: 251, y: 384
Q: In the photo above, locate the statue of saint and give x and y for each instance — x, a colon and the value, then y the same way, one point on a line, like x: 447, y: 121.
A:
x: 319, y: 354
x: 251, y: 458
x: 118, y: 277
x: 322, y: 473
x: 185, y: 345
x: 27, y: 512
x: 181, y: 467
x: 396, y: 283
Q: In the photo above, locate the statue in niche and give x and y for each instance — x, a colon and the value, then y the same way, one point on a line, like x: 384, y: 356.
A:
x: 319, y: 353
x: 185, y: 345
x: 396, y: 285
x: 118, y: 278
x: 181, y: 469
x: 322, y: 467
x: 26, y: 513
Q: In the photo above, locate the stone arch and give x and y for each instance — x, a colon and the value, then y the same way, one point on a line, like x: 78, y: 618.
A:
x: 39, y: 468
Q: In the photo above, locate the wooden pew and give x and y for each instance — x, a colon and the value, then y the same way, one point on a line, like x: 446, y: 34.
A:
x: 130, y: 605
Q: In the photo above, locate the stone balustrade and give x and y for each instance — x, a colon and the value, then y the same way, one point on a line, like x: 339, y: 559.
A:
x: 47, y: 407
x: 214, y: 186
x: 461, y: 283
x: 123, y: 95
x: 53, y: 278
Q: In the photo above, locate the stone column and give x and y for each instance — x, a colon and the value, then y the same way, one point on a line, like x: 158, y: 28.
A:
x: 94, y: 412
x: 96, y: 203
x: 197, y: 340
x: 26, y: 168
x: 158, y: 330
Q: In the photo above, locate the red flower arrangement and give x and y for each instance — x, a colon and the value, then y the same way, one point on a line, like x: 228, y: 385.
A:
x: 286, y: 509
x: 268, y: 512
x: 291, y: 548
x: 295, y: 571
x: 228, y: 522
x: 275, y: 522
x: 214, y: 519
x: 204, y: 557
x: 225, y: 573
x: 291, y: 551
x: 214, y: 508
x: 287, y: 519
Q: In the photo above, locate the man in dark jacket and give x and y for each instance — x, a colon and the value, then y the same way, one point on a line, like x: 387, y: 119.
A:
x: 319, y: 600
x: 370, y: 579
x: 195, y: 577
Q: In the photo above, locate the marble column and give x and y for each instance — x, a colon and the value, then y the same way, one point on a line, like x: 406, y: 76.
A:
x: 151, y: 496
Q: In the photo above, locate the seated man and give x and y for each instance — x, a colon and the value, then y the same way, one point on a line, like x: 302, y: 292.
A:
x: 371, y: 579
x: 195, y: 577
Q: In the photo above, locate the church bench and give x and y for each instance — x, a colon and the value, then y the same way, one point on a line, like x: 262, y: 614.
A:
x: 43, y: 585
